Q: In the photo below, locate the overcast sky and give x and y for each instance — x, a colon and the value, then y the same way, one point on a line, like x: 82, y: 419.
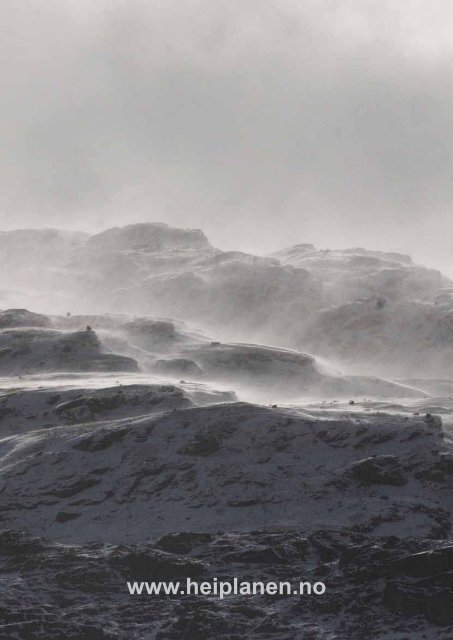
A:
x: 264, y: 122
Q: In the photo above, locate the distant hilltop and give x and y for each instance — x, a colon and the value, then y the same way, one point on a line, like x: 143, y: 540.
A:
x: 370, y: 308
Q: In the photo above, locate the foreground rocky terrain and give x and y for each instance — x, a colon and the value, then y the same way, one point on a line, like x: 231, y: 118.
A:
x: 137, y: 482
x: 378, y: 587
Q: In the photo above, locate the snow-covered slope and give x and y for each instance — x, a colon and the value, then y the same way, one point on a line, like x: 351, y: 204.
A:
x: 153, y: 269
x: 401, y: 338
x: 172, y: 351
x: 270, y: 372
x: 354, y: 273
x: 366, y: 308
x: 382, y: 312
x: 223, y: 467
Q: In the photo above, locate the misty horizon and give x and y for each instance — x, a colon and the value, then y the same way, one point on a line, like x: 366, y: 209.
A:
x: 259, y: 124
x: 246, y: 244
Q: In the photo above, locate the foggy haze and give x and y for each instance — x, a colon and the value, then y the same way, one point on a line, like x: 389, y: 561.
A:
x: 264, y: 124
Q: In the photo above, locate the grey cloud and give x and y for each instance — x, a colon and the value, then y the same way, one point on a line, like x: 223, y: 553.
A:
x: 265, y: 123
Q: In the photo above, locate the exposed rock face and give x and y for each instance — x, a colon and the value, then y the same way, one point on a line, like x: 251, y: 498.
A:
x: 27, y: 410
x: 262, y: 365
x: 156, y: 336
x: 423, y: 583
x: 384, y: 470
x: 178, y: 367
x: 149, y: 237
x: 22, y: 318
x: 40, y: 350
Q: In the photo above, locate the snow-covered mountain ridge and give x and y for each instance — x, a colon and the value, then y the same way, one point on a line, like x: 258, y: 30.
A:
x: 368, y: 309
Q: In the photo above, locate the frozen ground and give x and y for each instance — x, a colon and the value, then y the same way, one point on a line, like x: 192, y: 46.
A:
x: 106, y: 479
